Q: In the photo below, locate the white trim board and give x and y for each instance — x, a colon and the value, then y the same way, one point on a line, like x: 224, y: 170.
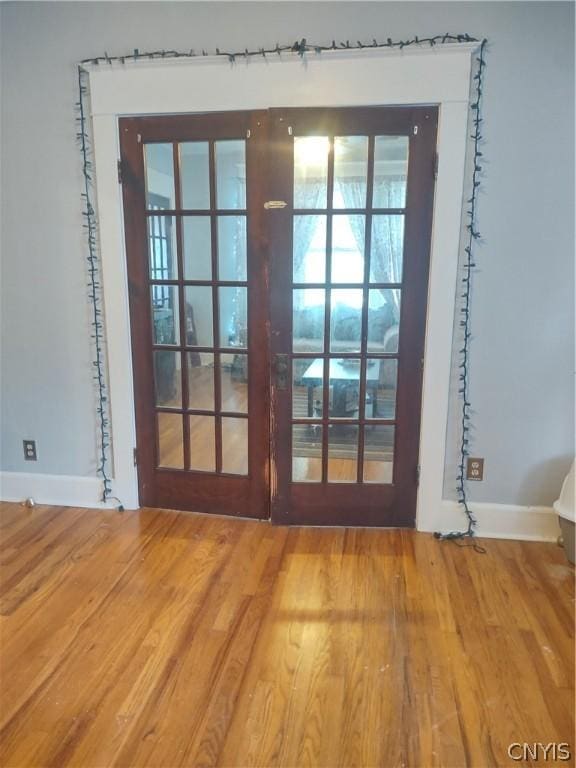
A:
x: 439, y: 75
x: 500, y: 521
x: 495, y: 521
x: 60, y: 490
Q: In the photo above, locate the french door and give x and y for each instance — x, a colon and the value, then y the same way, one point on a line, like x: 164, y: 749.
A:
x: 193, y: 201
x: 278, y: 269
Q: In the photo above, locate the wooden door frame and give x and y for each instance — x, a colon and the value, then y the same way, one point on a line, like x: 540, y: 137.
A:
x: 438, y: 76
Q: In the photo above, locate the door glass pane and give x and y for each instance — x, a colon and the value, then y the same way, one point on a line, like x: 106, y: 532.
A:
x: 165, y: 314
x: 344, y: 388
x: 235, y: 446
x: 195, y: 175
x: 390, y: 171
x: 381, y: 382
x: 348, y: 241
x: 386, y: 249
x: 342, y: 453
x: 162, y: 248
x: 199, y: 328
x: 378, y: 453
x: 200, y: 381
x: 383, y: 320
x: 233, y: 317
x: 308, y: 311
x: 159, y: 162
x: 168, y: 378
x: 197, y: 240
x: 350, y: 171
x: 234, y: 382
x: 230, y: 174
x: 306, y: 453
x: 232, y: 247
x: 307, y: 379
x: 310, y: 171
x: 309, y: 249
x: 202, y: 443
x: 170, y: 445
x: 345, y: 320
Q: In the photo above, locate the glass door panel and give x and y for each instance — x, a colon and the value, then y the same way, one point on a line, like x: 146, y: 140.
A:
x: 208, y: 171
x: 360, y: 319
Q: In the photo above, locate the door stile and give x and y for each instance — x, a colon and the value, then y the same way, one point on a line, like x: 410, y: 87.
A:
x: 417, y: 239
x: 279, y: 226
x: 133, y: 193
x: 258, y: 163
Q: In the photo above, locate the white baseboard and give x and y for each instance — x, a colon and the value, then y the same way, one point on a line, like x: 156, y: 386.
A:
x: 499, y: 521
x: 496, y: 521
x: 60, y: 490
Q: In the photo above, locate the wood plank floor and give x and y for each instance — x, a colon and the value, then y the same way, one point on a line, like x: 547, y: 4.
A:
x: 165, y: 639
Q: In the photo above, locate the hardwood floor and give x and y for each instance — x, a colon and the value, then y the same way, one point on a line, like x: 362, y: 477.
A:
x: 165, y: 639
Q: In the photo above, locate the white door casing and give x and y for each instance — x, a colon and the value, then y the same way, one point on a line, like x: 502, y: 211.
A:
x: 413, y: 76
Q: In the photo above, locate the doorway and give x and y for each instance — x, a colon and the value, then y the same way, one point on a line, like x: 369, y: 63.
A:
x: 278, y: 269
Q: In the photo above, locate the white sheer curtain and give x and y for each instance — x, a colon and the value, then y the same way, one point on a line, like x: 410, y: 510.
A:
x: 305, y: 226
x: 239, y: 265
x: 387, y: 231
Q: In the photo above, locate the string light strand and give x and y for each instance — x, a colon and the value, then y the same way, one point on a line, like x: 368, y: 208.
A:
x: 472, y: 236
x: 300, y: 47
x: 94, y: 291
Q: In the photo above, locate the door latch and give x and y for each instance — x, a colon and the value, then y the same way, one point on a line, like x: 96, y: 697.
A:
x: 271, y: 204
x: 281, y: 366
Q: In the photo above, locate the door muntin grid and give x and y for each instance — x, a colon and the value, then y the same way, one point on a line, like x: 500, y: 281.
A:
x: 348, y: 241
x: 199, y: 305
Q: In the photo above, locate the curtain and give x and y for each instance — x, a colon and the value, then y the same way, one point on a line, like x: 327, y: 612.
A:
x: 387, y: 231
x: 305, y: 226
x: 239, y: 266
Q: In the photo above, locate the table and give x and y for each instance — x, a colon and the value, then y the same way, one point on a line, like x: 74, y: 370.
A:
x: 342, y: 377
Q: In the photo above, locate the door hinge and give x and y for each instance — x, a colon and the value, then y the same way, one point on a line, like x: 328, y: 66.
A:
x: 417, y: 475
x: 119, y: 167
x: 415, y: 130
x: 135, y: 456
x: 435, y: 168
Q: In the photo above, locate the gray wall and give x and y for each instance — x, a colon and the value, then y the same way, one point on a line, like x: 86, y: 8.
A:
x: 522, y: 356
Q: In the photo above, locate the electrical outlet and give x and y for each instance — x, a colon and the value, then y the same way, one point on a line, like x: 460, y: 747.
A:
x: 30, y: 450
x: 475, y: 469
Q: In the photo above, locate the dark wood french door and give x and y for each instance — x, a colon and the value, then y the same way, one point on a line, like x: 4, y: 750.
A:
x: 278, y: 271
x: 194, y: 217
x: 349, y: 274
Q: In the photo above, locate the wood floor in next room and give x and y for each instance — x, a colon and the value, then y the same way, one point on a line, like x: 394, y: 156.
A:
x: 157, y: 638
